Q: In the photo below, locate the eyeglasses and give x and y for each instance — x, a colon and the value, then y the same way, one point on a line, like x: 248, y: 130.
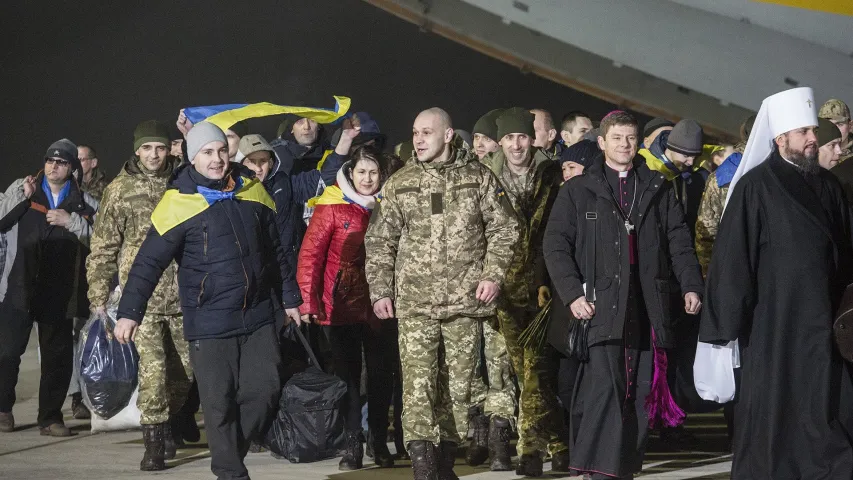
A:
x: 56, y: 161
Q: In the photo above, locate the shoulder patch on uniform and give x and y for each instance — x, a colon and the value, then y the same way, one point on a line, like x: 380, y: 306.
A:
x: 499, y: 191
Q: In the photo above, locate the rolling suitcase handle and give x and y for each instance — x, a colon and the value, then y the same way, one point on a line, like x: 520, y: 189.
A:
x: 307, y: 347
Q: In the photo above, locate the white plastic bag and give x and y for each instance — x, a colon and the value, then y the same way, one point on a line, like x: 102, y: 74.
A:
x: 126, y: 419
x: 713, y: 371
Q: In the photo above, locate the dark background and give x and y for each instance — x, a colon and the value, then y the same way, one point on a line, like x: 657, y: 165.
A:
x: 91, y: 70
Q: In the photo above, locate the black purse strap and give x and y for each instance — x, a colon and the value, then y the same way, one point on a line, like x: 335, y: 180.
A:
x: 591, y: 240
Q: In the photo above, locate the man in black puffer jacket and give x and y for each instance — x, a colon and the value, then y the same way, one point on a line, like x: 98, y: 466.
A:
x: 219, y: 224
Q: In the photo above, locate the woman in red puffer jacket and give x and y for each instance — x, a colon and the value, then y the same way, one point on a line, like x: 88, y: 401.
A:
x: 335, y: 294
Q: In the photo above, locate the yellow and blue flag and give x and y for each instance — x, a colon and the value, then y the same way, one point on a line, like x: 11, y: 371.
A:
x: 225, y: 116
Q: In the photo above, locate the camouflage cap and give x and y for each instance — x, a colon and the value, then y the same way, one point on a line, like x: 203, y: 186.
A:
x: 835, y: 110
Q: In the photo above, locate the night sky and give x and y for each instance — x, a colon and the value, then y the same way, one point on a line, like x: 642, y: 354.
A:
x: 91, y: 70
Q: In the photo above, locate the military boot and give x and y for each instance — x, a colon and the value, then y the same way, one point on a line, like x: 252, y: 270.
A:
x: 530, y: 465
x: 478, y: 448
x: 170, y: 448
x: 424, y: 461
x: 354, y: 455
x: 499, y: 445
x: 446, y: 460
x: 155, y: 448
x: 560, y: 462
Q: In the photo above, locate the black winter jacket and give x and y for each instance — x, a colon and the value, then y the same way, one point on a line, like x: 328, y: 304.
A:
x: 49, y: 260
x: 299, y: 164
x: 232, y: 268
x: 663, y: 244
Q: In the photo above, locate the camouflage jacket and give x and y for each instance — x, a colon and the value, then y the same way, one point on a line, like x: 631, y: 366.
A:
x: 847, y: 151
x: 526, y: 273
x: 96, y: 185
x: 438, y: 231
x: 120, y: 227
x: 708, y: 218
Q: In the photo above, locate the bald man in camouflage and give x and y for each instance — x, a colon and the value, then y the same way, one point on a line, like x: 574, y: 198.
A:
x: 438, y: 247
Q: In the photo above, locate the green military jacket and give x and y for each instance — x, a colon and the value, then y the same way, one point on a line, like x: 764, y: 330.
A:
x: 120, y: 227
x: 436, y: 232
x: 96, y: 185
x: 526, y: 272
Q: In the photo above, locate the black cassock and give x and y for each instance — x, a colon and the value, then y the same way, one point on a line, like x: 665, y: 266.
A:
x: 781, y: 261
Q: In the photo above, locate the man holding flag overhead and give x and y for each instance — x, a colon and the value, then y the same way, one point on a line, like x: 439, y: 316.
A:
x: 782, y: 259
x: 219, y: 225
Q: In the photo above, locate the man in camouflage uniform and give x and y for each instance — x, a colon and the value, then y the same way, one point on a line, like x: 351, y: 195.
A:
x: 531, y: 181
x: 120, y: 227
x: 838, y: 113
x: 493, y: 395
x: 714, y: 199
x: 438, y: 246
x: 93, y: 180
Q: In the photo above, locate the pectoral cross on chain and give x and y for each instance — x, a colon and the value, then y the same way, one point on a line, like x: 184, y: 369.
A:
x: 629, y: 227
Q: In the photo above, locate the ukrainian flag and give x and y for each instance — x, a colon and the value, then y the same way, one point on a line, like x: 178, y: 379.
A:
x: 224, y: 116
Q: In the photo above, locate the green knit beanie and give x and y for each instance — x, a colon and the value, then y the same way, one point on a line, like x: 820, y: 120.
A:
x: 486, y: 124
x: 826, y: 132
x: 515, y: 120
x: 150, y: 131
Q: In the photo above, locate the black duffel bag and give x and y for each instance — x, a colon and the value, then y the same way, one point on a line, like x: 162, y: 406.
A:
x: 309, y: 425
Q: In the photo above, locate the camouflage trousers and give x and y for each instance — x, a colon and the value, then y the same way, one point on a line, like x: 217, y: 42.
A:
x: 165, y: 374
x: 496, y: 393
x: 438, y: 359
x: 540, y: 416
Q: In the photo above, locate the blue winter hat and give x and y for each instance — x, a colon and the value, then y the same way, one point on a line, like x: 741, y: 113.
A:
x: 583, y: 153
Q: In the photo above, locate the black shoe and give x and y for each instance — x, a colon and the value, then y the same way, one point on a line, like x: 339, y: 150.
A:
x: 446, y: 460
x: 378, y: 445
x: 354, y: 454
x: 155, y: 448
x: 499, y: 445
x: 678, y: 438
x: 478, y: 448
x: 400, y: 445
x: 170, y: 446
x: 529, y: 465
x: 560, y: 462
x: 424, y: 460
x: 78, y: 410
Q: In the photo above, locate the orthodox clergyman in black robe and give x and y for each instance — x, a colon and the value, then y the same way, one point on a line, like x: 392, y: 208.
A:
x: 782, y: 259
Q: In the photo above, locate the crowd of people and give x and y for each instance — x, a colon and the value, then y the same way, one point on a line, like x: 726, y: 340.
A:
x: 428, y: 266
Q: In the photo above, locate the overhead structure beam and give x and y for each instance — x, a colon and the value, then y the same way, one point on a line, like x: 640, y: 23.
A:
x: 532, y: 52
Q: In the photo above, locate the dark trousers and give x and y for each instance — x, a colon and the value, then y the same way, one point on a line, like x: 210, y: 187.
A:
x: 382, y: 357
x: 56, y: 339
x: 566, y: 375
x: 240, y: 386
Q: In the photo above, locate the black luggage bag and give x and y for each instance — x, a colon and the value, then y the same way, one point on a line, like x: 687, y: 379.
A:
x: 309, y: 425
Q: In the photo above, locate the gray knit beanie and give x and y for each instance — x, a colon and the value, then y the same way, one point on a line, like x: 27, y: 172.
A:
x: 200, y: 135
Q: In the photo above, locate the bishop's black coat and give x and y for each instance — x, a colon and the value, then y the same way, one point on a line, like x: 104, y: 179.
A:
x: 781, y: 261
